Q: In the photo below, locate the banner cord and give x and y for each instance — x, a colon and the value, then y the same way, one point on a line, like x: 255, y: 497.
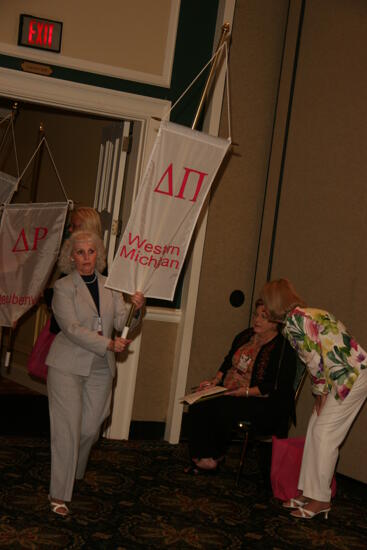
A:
x: 10, y: 124
x: 56, y: 171
x: 53, y: 163
x: 5, y: 118
x: 215, y: 55
x: 30, y: 160
x: 15, y: 147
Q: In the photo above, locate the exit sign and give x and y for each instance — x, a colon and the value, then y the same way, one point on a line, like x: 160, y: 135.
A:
x: 43, y: 34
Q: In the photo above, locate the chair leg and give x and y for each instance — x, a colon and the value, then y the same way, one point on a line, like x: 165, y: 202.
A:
x: 242, y: 458
x: 264, y: 454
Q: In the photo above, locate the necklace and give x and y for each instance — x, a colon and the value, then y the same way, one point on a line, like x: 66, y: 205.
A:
x: 92, y: 281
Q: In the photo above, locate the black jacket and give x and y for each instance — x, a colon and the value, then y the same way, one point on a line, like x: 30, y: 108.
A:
x: 273, y: 372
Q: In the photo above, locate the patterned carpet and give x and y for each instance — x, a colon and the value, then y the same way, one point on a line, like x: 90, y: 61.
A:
x: 136, y: 495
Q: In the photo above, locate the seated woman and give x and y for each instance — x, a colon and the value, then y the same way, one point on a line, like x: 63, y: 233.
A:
x: 259, y: 372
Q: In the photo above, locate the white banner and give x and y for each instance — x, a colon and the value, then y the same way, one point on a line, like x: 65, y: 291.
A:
x: 30, y: 238
x: 178, y: 177
x: 8, y: 185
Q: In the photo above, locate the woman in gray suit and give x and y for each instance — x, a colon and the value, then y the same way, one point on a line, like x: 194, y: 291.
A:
x: 81, y: 360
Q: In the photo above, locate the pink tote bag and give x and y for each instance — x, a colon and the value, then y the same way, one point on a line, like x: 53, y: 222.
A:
x: 285, y: 467
x: 36, y: 363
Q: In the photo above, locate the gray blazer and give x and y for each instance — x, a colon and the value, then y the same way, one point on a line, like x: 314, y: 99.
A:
x: 75, y: 347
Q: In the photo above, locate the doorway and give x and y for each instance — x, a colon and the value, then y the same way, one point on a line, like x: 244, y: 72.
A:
x: 93, y: 162
x: 115, y: 105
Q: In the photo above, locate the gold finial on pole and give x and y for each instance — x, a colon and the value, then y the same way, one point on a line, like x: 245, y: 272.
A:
x: 223, y: 37
x: 14, y: 109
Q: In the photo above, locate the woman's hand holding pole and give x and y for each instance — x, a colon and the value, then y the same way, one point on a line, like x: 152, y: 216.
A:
x: 118, y: 344
x: 137, y: 302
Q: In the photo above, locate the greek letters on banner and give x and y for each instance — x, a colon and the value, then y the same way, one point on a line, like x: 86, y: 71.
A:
x: 178, y: 177
x: 30, y: 237
x: 8, y: 184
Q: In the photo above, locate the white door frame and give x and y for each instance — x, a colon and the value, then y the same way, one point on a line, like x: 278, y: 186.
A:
x: 79, y: 97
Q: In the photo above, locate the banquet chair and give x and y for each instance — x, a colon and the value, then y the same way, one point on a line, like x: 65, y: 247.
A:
x: 248, y: 430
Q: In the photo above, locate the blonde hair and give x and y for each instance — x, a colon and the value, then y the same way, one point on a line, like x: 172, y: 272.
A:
x: 65, y: 263
x: 280, y: 297
x: 90, y: 219
x: 260, y: 303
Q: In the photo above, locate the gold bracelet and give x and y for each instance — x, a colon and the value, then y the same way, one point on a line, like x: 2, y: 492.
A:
x: 247, y: 391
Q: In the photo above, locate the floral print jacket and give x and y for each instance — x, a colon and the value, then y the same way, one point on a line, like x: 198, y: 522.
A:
x: 334, y: 359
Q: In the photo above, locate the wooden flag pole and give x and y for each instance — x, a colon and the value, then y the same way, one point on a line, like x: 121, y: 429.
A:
x: 204, y: 95
x: 37, y: 163
x: 128, y: 321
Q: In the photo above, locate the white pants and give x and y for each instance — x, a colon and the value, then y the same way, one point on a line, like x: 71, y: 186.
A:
x: 325, y: 434
x: 78, y: 405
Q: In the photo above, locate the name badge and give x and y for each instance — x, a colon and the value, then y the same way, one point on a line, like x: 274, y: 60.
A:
x: 99, y: 326
x: 244, y: 362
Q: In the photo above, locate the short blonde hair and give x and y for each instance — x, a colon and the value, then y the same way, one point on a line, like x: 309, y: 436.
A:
x: 66, y: 265
x: 90, y: 218
x: 260, y: 303
x: 280, y: 297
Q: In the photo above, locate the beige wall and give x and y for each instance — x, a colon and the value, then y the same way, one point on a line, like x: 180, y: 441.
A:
x: 133, y: 39
x: 154, y: 372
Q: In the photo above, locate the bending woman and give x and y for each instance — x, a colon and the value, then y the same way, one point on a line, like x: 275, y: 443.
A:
x: 81, y: 360
x: 259, y: 372
x: 337, y: 365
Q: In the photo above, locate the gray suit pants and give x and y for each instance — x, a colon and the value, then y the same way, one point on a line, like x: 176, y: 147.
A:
x: 78, y: 406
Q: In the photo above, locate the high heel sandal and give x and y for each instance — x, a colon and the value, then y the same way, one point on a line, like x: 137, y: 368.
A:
x: 59, y: 508
x: 294, y: 503
x: 308, y: 514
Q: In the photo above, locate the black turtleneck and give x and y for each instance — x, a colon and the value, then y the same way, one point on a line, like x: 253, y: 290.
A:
x: 92, y: 284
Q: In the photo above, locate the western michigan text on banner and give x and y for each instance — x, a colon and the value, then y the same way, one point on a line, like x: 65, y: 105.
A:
x: 30, y: 237
x: 178, y: 177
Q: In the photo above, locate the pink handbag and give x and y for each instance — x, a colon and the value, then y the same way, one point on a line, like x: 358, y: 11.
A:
x: 36, y: 363
x: 285, y: 467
